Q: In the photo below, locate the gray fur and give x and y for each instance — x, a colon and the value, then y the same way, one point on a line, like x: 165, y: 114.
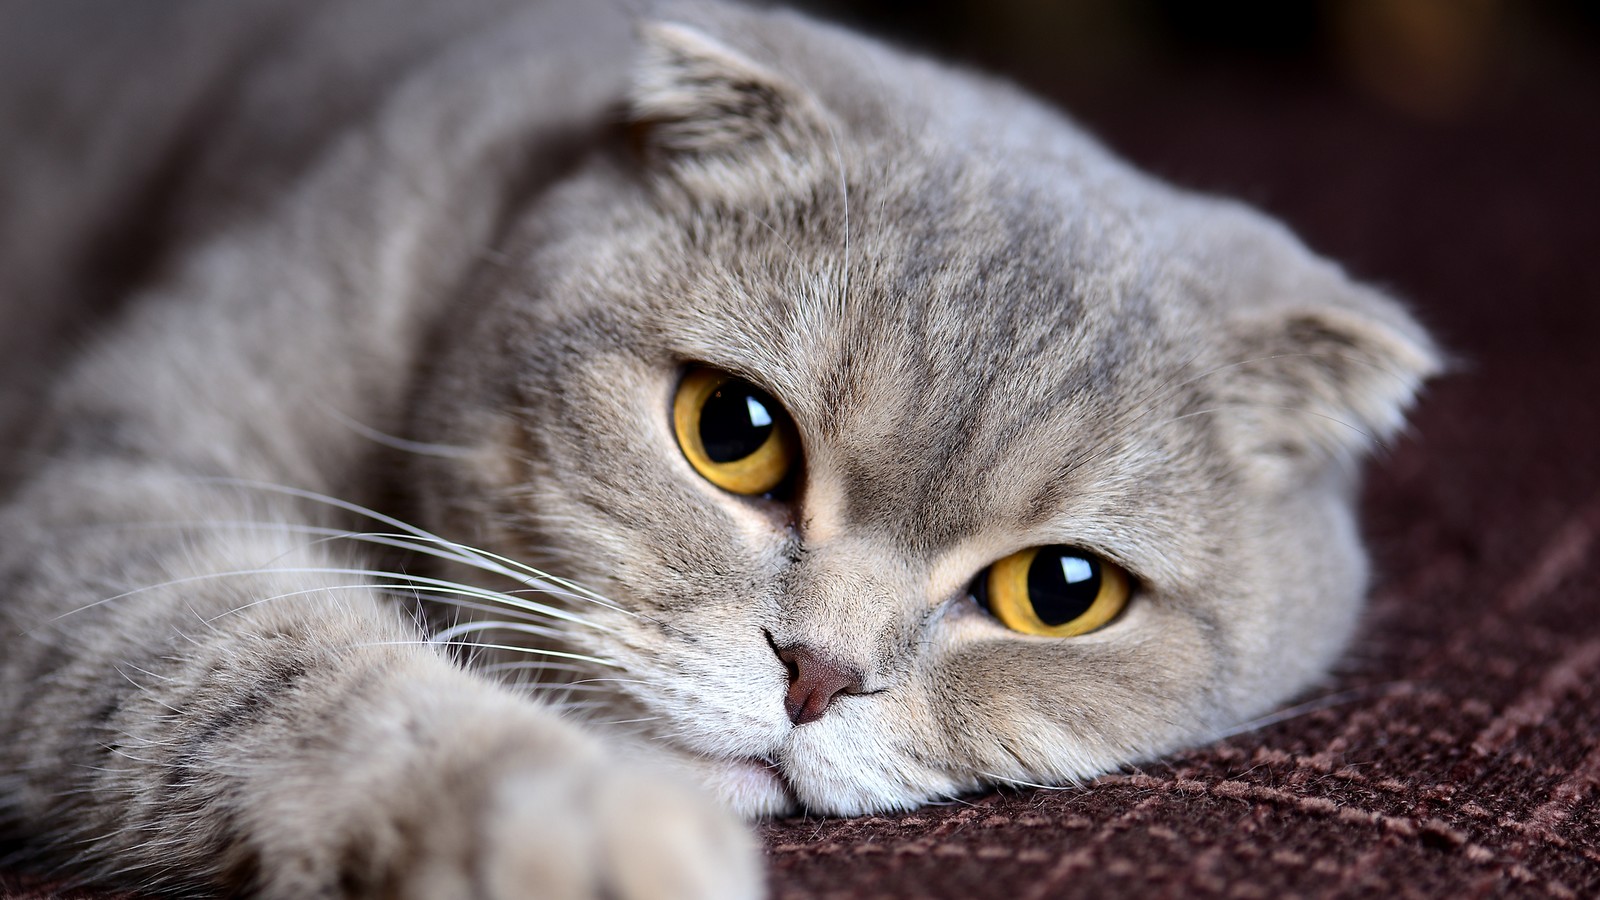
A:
x: 500, y: 231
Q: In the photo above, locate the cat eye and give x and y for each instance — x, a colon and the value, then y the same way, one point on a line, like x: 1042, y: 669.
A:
x: 733, y: 433
x: 1055, y: 591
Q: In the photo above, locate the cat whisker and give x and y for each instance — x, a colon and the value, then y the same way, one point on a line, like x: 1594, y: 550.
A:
x: 472, y: 556
x: 144, y: 690
x: 434, y: 584
x: 125, y: 664
x: 405, y: 580
x: 539, y: 667
x: 284, y: 596
x: 1019, y: 783
x: 1310, y: 706
x: 794, y: 256
x: 529, y: 626
x: 578, y: 687
x: 575, y: 706
x: 448, y: 635
x: 638, y: 721
x: 951, y: 800
x: 459, y: 604
x: 532, y: 502
x: 394, y: 442
x: 534, y: 666
x: 613, y: 681
x: 119, y: 751
x: 423, y: 546
x: 509, y: 648
x: 530, y: 610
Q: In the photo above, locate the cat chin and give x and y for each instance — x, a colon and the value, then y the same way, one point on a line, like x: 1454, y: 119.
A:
x: 753, y: 788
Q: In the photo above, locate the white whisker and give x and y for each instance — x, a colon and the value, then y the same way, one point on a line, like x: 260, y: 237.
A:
x: 613, y: 681
x: 458, y: 603
x: 434, y: 584
x: 540, y: 582
x: 420, y: 448
x: 1019, y: 783
x: 471, y: 556
x: 561, y: 686
x: 448, y: 635
x: 534, y: 666
x: 509, y: 648
x: 1308, y: 707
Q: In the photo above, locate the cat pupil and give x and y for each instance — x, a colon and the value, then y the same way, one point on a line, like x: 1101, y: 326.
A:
x: 1062, y: 586
x: 735, y: 422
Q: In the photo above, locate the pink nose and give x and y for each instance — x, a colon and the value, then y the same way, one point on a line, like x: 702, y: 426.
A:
x: 814, y: 680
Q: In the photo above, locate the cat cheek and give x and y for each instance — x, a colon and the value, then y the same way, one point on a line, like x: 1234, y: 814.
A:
x: 864, y: 762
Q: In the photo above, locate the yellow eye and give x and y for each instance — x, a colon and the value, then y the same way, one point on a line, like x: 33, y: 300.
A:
x: 733, y: 433
x: 1054, y: 591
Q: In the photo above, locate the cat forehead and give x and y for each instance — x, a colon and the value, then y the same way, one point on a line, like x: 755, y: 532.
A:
x: 957, y: 307
x: 941, y: 377
x: 938, y: 246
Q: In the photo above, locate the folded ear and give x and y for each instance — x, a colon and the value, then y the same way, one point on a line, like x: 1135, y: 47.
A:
x: 1325, y: 377
x: 697, y: 104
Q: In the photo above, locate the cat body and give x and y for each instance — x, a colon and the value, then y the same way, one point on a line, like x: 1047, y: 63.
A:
x: 354, y: 544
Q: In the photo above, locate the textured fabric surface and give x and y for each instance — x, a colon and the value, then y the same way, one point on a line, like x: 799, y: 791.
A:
x: 1457, y: 750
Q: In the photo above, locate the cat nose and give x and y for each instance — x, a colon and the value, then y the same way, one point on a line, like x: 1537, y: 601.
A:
x: 814, y: 680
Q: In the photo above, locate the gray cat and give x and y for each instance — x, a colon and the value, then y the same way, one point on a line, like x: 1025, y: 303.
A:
x: 483, y: 449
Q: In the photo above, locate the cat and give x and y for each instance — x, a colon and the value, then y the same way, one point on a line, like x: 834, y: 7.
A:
x: 490, y: 448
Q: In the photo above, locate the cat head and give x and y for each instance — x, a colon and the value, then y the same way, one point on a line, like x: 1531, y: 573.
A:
x: 918, y: 443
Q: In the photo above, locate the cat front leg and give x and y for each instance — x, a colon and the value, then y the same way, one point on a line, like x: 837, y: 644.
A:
x: 230, y: 709
x: 439, y: 787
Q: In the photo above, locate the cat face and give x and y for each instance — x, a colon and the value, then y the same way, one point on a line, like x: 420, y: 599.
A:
x: 960, y: 333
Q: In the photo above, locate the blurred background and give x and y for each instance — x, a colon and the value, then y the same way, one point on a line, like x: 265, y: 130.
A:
x: 1436, y: 116
x: 1226, y: 95
x: 1435, y: 59
x: 1455, y: 122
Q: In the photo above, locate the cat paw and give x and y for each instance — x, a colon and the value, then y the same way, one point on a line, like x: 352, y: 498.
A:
x: 575, y: 831
x: 613, y: 832
x: 497, y: 800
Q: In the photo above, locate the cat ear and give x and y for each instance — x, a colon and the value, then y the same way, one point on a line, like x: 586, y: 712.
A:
x: 1325, y: 377
x: 695, y: 102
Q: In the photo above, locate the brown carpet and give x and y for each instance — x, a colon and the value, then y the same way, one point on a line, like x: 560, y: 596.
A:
x: 1457, y: 752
